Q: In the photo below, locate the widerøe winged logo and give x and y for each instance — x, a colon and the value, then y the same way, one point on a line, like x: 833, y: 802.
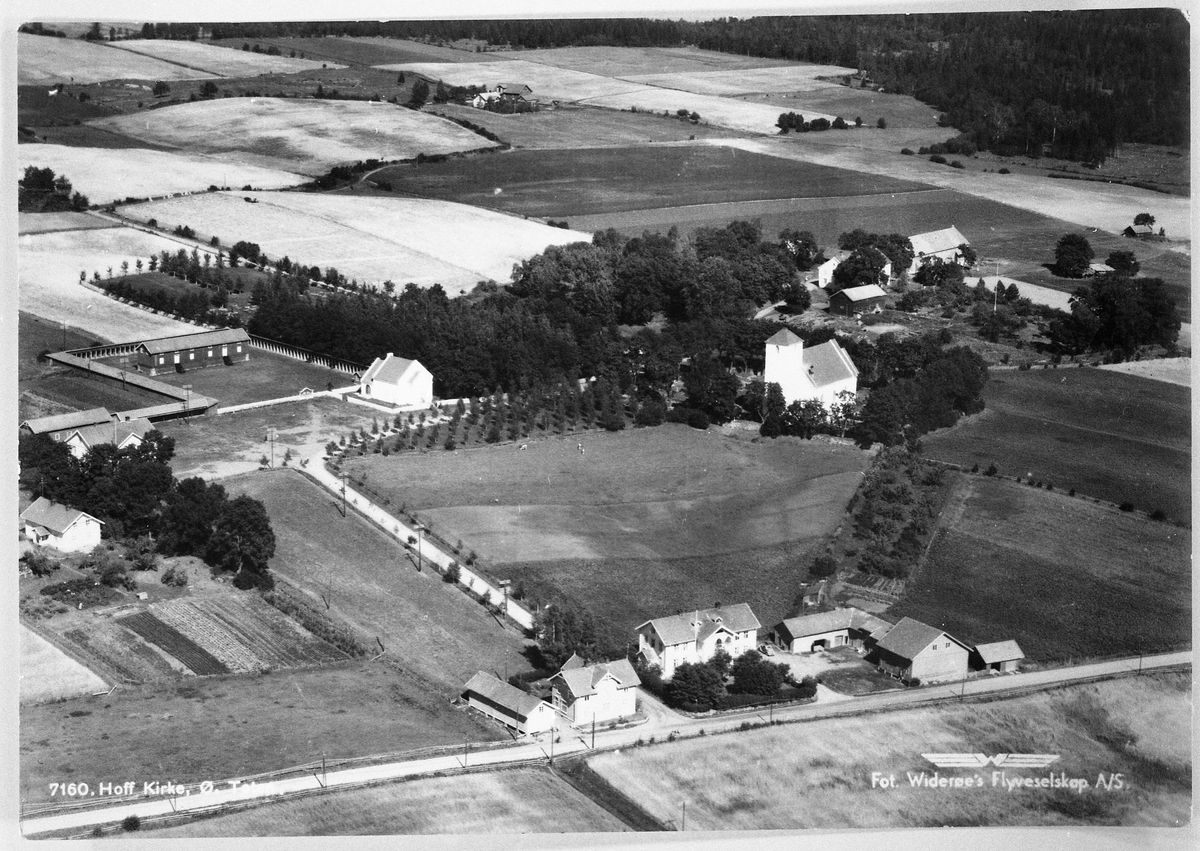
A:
x: 1000, y: 760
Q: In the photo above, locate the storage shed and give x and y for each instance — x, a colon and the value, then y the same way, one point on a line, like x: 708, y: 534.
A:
x: 509, y: 705
x: 193, y: 351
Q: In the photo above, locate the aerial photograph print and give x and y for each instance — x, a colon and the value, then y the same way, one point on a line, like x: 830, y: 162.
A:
x: 700, y: 419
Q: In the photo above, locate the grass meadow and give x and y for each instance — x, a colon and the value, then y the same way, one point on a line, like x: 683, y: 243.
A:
x: 221, y: 61
x: 602, y: 180
x: 210, y: 728
x: 428, y: 627
x: 49, y: 674
x: 363, y: 51
x: 525, y: 800
x: 643, y: 522
x: 43, y: 60
x: 1063, y: 576
x: 1119, y: 438
x: 818, y: 774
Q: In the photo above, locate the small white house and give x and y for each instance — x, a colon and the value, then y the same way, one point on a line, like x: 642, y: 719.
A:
x: 821, y: 372
x: 696, y: 635
x: 398, y: 381
x: 509, y: 705
x: 122, y: 434
x: 586, y: 694
x: 944, y: 243
x: 50, y: 524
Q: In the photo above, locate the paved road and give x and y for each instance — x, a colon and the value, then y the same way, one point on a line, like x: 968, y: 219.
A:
x: 662, y: 721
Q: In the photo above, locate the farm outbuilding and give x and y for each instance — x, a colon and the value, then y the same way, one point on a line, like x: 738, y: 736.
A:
x: 857, y: 300
x: 823, y: 630
x: 60, y: 426
x: 944, y: 244
x: 586, y: 694
x: 696, y: 635
x: 912, y: 650
x: 1138, y: 231
x: 819, y: 372
x: 52, y: 524
x: 1003, y: 656
x: 509, y: 705
x: 193, y: 351
x: 398, y: 381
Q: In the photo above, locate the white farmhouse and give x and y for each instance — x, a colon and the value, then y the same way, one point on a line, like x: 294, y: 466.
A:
x: 820, y: 372
x: 398, y: 381
x: 944, y: 243
x: 586, y: 694
x: 696, y: 635
x: 123, y: 434
x: 50, y: 524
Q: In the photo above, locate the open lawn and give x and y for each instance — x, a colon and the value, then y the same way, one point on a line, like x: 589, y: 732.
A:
x: 640, y: 523
x: 210, y: 728
x: 308, y: 136
x: 582, y: 127
x: 523, y: 800
x: 264, y: 376
x: 112, y: 174
x: 48, y: 674
x: 819, y: 774
x: 45, y: 60
x: 1120, y: 438
x: 48, y: 274
x: 221, y: 61
x: 370, y: 238
x: 600, y: 180
x: 427, y: 626
x: 1063, y: 576
x: 226, y: 444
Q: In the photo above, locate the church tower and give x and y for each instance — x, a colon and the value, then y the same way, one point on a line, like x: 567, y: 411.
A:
x: 785, y: 366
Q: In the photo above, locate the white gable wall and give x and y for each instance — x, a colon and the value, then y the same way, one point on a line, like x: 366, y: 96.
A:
x: 80, y: 537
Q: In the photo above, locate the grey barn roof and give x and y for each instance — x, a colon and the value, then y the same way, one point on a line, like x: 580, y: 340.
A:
x: 909, y: 637
x: 193, y: 341
x: 502, y: 694
x: 75, y: 419
x: 828, y: 363
x: 861, y: 293
x: 999, y: 651
x: 934, y: 241
x: 842, y: 618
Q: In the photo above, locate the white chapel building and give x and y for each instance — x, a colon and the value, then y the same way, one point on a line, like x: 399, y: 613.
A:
x: 398, y: 381
x: 819, y: 372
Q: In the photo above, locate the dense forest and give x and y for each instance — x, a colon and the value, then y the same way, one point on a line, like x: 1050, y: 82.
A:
x: 1076, y: 84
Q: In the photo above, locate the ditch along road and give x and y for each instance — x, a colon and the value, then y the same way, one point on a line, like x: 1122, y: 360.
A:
x: 663, y: 724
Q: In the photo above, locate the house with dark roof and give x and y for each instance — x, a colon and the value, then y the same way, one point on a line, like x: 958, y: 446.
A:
x: 818, y: 372
x: 595, y: 694
x: 398, y: 381
x: 513, y: 91
x: 854, y: 300
x: 52, y: 524
x: 1002, y: 656
x: 1138, y: 231
x: 192, y: 351
x: 912, y: 650
x: 694, y: 636
x: 837, y: 628
x: 509, y: 705
x: 944, y: 244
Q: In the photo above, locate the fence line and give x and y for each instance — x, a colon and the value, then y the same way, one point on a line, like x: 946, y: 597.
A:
x: 298, y: 353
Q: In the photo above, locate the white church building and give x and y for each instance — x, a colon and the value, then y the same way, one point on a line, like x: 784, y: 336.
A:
x: 398, y: 381
x: 818, y: 372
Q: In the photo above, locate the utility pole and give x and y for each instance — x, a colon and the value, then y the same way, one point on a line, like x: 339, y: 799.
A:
x: 466, y: 751
x: 271, y: 437
x: 683, y: 818
x: 188, y: 403
x: 343, y: 494
x: 593, y: 732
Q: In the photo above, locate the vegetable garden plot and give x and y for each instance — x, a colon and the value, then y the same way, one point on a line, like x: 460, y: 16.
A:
x: 174, y: 642
x: 120, y: 651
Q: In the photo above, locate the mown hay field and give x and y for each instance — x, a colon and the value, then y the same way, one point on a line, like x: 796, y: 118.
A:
x: 44, y: 60
x: 1064, y: 577
x: 726, y: 82
x: 308, y: 136
x: 546, y: 82
x: 639, y: 523
x: 211, y: 728
x: 1118, y: 438
x: 818, y: 775
x: 221, y: 61
x: 105, y: 175
x: 428, y: 626
x: 363, y: 50
x: 749, y: 115
x: 372, y: 239
x: 596, y: 181
x: 623, y: 61
x: 524, y: 800
x: 49, y: 674
x: 48, y: 267
x: 51, y: 222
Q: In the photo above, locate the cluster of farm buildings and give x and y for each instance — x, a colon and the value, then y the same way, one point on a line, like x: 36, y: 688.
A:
x: 583, y: 694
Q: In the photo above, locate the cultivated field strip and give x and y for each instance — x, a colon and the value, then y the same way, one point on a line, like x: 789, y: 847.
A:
x: 174, y: 642
x: 121, y: 652
x: 246, y: 634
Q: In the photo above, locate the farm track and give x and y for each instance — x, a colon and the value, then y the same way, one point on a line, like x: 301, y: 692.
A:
x: 174, y: 642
